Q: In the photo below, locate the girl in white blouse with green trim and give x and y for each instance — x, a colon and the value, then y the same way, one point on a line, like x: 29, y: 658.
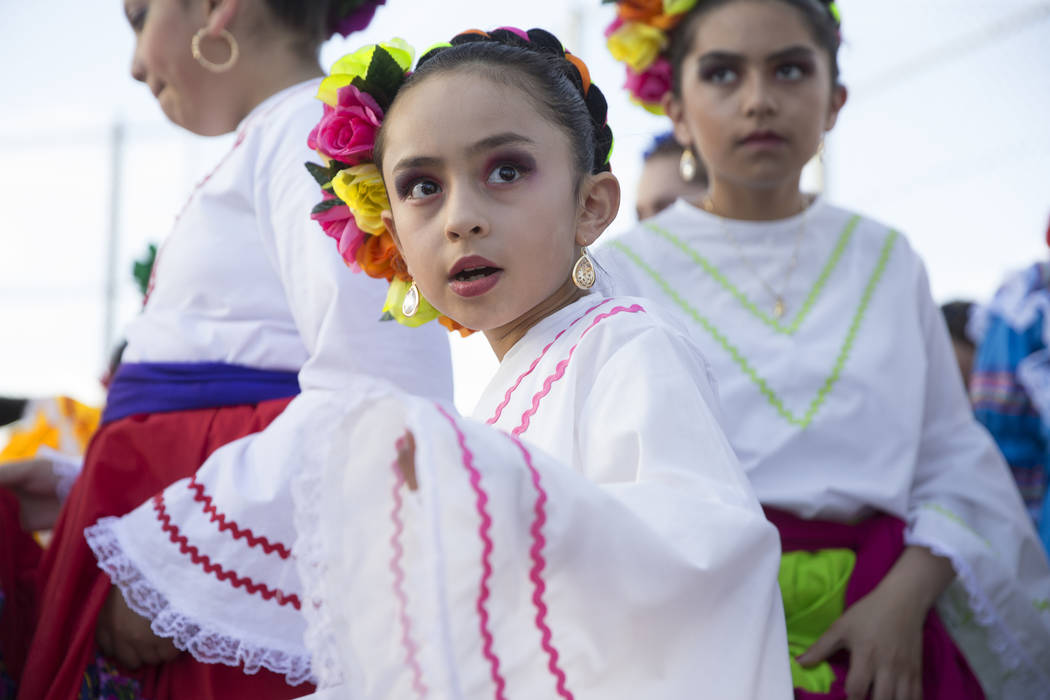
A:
x: 835, y: 371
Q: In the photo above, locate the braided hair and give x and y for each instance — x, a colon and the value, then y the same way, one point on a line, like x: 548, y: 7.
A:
x: 821, y: 17
x: 538, y: 63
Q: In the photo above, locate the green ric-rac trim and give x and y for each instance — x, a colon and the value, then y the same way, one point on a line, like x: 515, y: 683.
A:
x: 746, y: 367
x: 716, y: 274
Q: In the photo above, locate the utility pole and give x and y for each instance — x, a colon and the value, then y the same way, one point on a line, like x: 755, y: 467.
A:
x: 116, y: 167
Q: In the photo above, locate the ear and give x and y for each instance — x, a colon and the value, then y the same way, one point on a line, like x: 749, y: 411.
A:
x: 388, y: 220
x: 838, y: 100
x: 674, y: 109
x: 599, y: 202
x: 220, y: 15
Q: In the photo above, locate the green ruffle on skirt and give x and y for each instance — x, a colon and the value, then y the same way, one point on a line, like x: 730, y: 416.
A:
x: 814, y: 588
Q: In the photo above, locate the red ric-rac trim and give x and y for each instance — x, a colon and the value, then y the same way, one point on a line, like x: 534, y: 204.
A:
x: 536, y: 572
x: 510, y: 391
x: 559, y: 370
x: 407, y: 642
x: 216, y: 570
x: 228, y: 524
x: 486, y: 553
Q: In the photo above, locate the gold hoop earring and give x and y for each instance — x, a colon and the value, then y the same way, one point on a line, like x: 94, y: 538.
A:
x: 584, y: 274
x: 235, y: 51
x: 410, y: 304
x: 687, y: 165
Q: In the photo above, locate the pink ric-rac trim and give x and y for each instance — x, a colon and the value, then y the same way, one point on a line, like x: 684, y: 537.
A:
x: 559, y: 370
x: 536, y: 572
x: 399, y: 587
x: 510, y: 391
x: 486, y: 552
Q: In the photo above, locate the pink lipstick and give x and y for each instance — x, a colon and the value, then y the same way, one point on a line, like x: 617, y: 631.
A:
x: 473, y: 275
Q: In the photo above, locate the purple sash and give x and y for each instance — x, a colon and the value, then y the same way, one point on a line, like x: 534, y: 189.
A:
x: 159, y: 387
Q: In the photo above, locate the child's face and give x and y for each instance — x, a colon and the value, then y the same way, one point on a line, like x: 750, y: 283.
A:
x: 482, y: 197
x: 661, y: 184
x: 186, y: 92
x: 756, y: 93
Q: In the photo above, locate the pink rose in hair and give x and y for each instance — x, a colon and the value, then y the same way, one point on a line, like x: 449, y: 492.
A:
x: 652, y: 84
x: 338, y: 222
x: 347, y: 132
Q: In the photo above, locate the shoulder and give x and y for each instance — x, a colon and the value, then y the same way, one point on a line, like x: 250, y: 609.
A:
x: 635, y: 326
x: 283, y: 123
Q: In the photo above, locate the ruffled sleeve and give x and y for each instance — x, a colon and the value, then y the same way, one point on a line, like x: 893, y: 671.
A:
x: 965, y: 507
x: 643, y: 569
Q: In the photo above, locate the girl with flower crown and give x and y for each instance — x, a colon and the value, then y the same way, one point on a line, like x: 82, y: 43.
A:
x: 589, y: 533
x: 245, y: 308
x: 909, y: 561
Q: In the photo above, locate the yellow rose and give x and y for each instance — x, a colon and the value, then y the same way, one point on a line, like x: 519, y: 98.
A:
x: 636, y: 44
x: 395, y: 298
x: 361, y: 187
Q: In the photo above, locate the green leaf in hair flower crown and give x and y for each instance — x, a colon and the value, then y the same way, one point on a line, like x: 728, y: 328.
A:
x: 323, y: 206
x: 383, y: 79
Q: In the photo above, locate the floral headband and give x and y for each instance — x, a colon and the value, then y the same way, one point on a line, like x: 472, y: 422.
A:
x: 356, y: 95
x: 349, y: 16
x: 639, y: 38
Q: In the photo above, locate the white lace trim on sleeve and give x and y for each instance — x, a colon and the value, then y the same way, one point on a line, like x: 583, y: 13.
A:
x: 204, y: 643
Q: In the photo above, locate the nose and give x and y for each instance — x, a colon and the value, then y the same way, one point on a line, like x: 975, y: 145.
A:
x: 138, y: 66
x: 464, y: 212
x: 759, y: 97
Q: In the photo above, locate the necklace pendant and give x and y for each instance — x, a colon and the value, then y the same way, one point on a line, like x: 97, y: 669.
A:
x: 779, y: 308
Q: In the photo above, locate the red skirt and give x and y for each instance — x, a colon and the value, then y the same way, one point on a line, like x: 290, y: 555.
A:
x: 128, y: 461
x: 878, y: 542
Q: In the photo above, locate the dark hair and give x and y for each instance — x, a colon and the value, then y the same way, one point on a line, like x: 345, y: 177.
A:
x: 663, y: 144
x: 539, y: 65
x: 316, y: 20
x: 957, y: 316
x: 818, y: 15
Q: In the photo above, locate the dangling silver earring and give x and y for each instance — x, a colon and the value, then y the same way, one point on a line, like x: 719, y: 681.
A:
x: 584, y: 274
x: 687, y: 165
x: 410, y: 304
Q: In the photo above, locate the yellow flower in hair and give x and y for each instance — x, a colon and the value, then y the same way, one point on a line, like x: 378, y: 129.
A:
x: 636, y: 44
x: 676, y: 7
x: 355, y: 65
x: 361, y: 187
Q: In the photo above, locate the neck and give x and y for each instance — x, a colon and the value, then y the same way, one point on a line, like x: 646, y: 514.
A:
x: 502, y: 339
x: 733, y: 201
x: 267, y: 78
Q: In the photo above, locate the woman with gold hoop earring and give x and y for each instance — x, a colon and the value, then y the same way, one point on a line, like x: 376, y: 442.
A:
x: 247, y: 307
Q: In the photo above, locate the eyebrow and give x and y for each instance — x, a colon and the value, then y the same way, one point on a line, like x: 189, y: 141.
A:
x: 507, y: 138
x: 790, y: 52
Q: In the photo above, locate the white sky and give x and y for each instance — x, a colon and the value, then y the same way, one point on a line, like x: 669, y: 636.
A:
x: 946, y: 136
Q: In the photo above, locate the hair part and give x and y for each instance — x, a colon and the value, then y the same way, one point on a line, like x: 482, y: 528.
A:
x: 538, y: 68
x: 823, y: 27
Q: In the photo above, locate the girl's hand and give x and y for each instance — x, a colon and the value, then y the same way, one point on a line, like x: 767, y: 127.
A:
x: 883, y: 630
x: 406, y: 460
x: 125, y: 636
x: 35, y: 485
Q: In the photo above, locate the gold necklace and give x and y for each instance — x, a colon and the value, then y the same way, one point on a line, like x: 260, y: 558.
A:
x: 779, y: 305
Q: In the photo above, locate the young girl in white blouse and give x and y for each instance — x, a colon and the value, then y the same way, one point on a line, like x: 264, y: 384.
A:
x: 589, y: 534
x: 838, y: 384
x: 247, y: 307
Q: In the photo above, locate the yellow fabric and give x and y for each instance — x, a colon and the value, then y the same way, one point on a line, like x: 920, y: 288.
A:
x: 60, y: 423
x: 814, y: 588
